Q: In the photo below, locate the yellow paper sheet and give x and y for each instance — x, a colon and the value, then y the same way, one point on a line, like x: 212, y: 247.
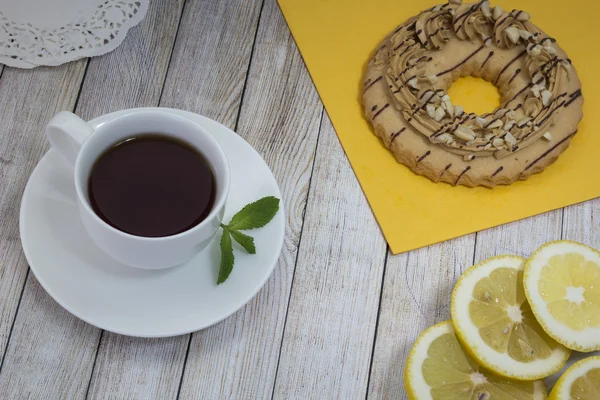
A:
x: 336, y: 39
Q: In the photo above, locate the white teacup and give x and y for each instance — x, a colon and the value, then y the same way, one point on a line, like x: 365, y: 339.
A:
x: 81, y: 145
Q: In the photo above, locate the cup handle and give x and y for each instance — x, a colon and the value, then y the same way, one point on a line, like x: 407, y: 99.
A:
x: 67, y: 133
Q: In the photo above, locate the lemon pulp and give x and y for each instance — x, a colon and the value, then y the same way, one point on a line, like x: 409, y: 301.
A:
x: 587, y: 387
x: 502, y: 315
x: 453, y: 375
x: 569, y: 284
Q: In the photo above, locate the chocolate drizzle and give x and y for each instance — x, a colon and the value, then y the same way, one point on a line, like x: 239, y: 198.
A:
x: 395, y: 135
x: 517, y: 72
x: 381, y: 110
x: 370, y: 85
x: 550, y: 150
x: 521, y: 54
x: 487, y: 58
x: 423, y: 156
x: 574, y: 96
x: 461, y: 174
x: 497, y: 171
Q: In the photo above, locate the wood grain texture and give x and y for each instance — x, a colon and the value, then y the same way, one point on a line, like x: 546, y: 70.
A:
x: 51, y: 353
x: 519, y: 238
x: 133, y: 75
x: 330, y: 325
x: 28, y: 99
x: 143, y: 59
x: 136, y: 368
x: 416, y: 295
x: 280, y: 117
x: 582, y: 223
x: 211, y: 58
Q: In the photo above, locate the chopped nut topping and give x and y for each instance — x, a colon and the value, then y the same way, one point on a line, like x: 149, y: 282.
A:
x: 485, y: 9
x: 464, y: 133
x: 432, y: 78
x: 513, y: 34
x: 430, y: 110
x: 439, y: 114
x: 523, y: 121
x: 550, y: 50
x: 488, y: 136
x: 444, y: 138
x: 510, y: 139
x: 496, y: 124
x: 458, y: 111
x: 480, y: 122
x: 509, y: 125
x: 525, y: 35
x: 547, y: 136
x: 523, y: 16
x: 535, y: 50
x: 546, y: 96
x: 498, y: 11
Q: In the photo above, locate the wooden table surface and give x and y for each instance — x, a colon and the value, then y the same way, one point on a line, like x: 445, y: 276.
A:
x: 339, y: 314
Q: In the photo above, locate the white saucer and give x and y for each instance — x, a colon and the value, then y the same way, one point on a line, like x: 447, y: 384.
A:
x: 121, y: 299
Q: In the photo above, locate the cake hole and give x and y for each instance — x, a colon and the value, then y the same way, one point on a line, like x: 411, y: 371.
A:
x: 475, y: 95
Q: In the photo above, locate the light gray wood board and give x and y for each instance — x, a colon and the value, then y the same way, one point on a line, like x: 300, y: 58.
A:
x: 211, y: 58
x: 134, y: 74
x: 582, y: 223
x: 280, y: 117
x: 64, y: 333
x: 28, y: 99
x: 136, y: 368
x: 330, y: 324
x: 520, y: 238
x: 417, y: 289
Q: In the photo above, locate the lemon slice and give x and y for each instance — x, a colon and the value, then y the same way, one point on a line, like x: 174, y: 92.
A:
x: 562, y: 284
x: 439, y: 369
x: 581, y: 381
x: 495, y: 324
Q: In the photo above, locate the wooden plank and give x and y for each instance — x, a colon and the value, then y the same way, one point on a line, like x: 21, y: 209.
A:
x: 131, y: 76
x: 280, y: 117
x: 28, y: 99
x: 520, y: 238
x: 50, y: 355
x: 582, y: 223
x: 330, y: 325
x: 211, y: 58
x: 416, y: 294
x: 136, y: 368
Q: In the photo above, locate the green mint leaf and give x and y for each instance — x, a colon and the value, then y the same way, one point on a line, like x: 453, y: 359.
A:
x: 227, y: 258
x: 255, y: 215
x: 246, y: 241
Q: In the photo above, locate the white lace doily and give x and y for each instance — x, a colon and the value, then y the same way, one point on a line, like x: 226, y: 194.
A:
x: 53, y: 32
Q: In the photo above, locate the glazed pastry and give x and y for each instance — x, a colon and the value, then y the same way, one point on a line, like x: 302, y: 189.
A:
x: 405, y: 95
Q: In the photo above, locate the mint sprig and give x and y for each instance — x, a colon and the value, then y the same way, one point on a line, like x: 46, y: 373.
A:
x: 254, y: 215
